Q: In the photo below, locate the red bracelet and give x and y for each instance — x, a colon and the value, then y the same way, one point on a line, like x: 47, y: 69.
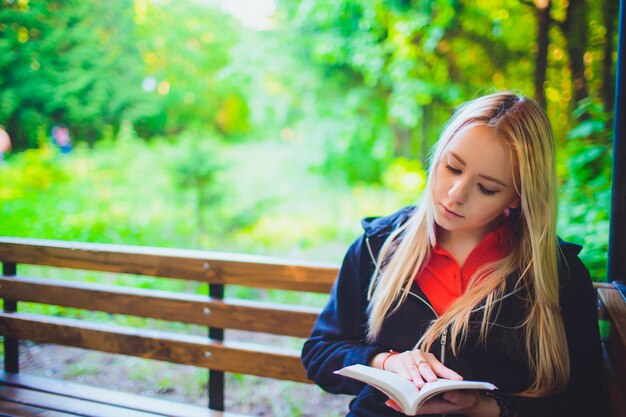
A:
x: 391, y: 353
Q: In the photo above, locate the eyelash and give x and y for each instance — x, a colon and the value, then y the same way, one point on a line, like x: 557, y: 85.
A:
x: 482, y: 189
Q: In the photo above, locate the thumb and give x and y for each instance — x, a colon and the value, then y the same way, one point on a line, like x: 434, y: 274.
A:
x: 391, y: 403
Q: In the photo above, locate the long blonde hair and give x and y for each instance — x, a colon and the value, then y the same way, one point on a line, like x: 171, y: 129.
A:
x: 525, y: 128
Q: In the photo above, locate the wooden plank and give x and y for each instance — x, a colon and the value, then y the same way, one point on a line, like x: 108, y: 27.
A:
x: 281, y: 319
x: 614, y: 307
x: 227, y: 356
x: 205, y: 266
x: 11, y: 345
x: 13, y: 409
x: 616, y: 397
x: 106, y: 396
x: 66, y: 405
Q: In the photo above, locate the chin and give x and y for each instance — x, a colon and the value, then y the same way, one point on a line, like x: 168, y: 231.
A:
x: 444, y: 223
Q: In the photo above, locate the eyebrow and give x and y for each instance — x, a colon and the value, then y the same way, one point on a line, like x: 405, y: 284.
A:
x: 487, y: 177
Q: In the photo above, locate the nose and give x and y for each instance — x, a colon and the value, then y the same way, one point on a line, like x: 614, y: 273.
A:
x: 459, y: 191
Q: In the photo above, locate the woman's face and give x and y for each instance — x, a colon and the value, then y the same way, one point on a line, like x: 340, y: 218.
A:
x: 473, y: 183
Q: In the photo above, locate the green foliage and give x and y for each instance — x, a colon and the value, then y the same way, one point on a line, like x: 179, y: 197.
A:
x: 586, y: 190
x: 72, y: 63
x: 363, y: 86
x: 128, y: 191
x: 195, y: 168
x: 185, y: 49
x: 389, y: 64
x: 92, y: 65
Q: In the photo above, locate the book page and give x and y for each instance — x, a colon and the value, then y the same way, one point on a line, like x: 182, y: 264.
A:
x: 432, y: 389
x: 404, y: 392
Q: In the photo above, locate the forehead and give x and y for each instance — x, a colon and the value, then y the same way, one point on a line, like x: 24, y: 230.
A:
x: 482, y: 150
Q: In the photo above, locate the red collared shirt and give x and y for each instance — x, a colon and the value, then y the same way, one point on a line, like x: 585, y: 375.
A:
x: 443, y: 281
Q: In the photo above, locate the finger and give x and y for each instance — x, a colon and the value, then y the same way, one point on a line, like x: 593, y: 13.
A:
x: 463, y: 398
x: 422, y: 361
x: 426, y: 371
x: 442, y: 404
x: 391, y: 403
x: 405, y: 372
x: 416, y: 376
x: 443, y: 371
x: 453, y: 402
x: 437, y: 405
x: 452, y: 397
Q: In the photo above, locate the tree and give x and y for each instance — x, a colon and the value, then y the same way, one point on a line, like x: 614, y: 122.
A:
x: 71, y: 63
x: 610, y: 13
x: 542, y: 10
x: 575, y: 30
x: 401, y: 66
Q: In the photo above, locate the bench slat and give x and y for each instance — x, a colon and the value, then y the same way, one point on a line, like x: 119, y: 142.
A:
x: 204, y: 266
x: 254, y: 316
x: 106, y: 396
x: 199, y: 351
x: 614, y: 306
x: 10, y: 408
x: 62, y: 404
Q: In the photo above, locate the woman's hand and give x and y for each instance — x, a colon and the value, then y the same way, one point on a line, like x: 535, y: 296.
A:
x: 467, y: 402
x: 415, y: 365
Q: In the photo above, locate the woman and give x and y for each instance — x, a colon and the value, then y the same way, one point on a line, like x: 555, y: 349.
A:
x: 472, y: 284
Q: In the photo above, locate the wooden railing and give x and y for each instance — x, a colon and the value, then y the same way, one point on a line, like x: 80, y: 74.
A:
x: 211, y: 310
x: 612, y: 308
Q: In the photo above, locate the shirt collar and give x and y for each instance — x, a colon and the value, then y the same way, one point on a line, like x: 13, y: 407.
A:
x: 497, y: 239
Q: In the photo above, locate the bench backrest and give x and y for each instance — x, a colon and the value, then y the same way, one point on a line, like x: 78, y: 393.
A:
x: 612, y: 308
x: 211, y: 310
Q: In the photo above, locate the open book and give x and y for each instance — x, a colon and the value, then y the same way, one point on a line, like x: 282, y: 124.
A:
x: 403, y: 391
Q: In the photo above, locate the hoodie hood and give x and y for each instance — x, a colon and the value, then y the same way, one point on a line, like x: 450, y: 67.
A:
x: 376, y: 226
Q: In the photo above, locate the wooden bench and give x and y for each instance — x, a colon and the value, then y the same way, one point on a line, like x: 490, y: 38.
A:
x: 612, y: 309
x: 27, y: 395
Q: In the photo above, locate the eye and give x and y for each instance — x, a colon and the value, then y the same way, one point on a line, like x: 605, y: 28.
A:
x: 486, y: 191
x: 453, y: 170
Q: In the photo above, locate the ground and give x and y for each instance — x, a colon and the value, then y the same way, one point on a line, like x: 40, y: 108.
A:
x: 186, y: 384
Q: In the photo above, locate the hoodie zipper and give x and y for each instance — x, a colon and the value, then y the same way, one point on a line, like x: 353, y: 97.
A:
x: 444, y: 335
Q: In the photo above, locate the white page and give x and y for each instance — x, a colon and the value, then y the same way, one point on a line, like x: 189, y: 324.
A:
x: 403, y: 391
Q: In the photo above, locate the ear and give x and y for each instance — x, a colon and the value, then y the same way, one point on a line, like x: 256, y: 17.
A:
x: 514, y: 203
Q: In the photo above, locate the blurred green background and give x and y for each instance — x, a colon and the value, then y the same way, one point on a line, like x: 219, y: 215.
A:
x: 272, y: 127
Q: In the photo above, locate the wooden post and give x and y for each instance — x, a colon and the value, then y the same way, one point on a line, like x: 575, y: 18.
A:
x: 617, y: 237
x: 216, y: 378
x: 11, y: 346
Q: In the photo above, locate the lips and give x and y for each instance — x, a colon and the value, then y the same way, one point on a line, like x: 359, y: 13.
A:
x: 452, y: 213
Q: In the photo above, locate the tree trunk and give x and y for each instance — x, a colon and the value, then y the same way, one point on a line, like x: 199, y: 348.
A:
x: 403, y: 141
x: 610, y: 11
x: 576, y: 34
x: 542, y: 11
x: 19, y: 141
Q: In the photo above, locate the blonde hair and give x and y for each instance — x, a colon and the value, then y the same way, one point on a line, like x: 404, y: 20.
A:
x: 525, y: 128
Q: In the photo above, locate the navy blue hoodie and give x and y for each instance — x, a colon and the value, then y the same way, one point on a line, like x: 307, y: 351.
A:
x: 338, y: 338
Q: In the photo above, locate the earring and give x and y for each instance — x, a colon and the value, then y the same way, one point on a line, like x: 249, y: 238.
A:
x: 507, y: 212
